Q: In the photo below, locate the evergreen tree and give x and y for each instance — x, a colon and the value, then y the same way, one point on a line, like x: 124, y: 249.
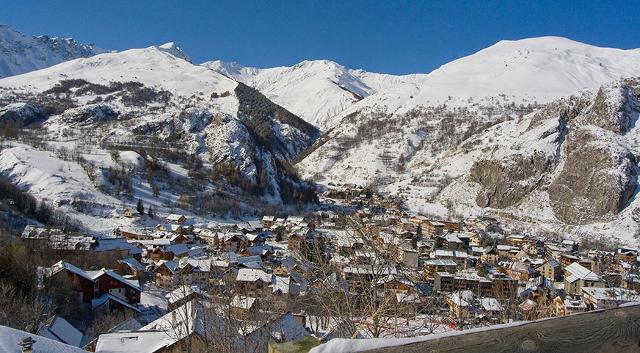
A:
x: 150, y: 212
x: 140, y: 207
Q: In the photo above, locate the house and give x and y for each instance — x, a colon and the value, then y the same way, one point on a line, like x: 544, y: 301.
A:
x: 491, y: 307
x: 176, y: 218
x: 130, y: 266
x: 11, y: 339
x: 460, y: 257
x: 241, y: 306
x: 171, y: 274
x: 551, y: 270
x: 108, y: 303
x: 577, y: 277
x: 434, y: 228
x: 234, y: 242
x: 59, y: 329
x: 627, y: 255
x: 432, y: 266
x: 460, y: 303
x: 408, y: 257
x: 183, y: 294
x: 252, y: 282
x: 573, y: 306
x: 568, y: 259
x: 93, y: 284
x: 127, y: 212
x: 490, y: 255
x: 521, y: 271
x: 606, y: 298
x: 267, y: 221
x: 294, y: 241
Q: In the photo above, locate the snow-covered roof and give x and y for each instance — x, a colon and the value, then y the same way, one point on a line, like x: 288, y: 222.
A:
x: 612, y: 294
x: 129, y: 282
x: 252, y: 275
x: 242, y: 302
x: 142, y: 341
x: 61, y: 330
x: 174, y: 217
x: 577, y: 271
x: 9, y: 339
x: 490, y: 304
x: 97, y: 302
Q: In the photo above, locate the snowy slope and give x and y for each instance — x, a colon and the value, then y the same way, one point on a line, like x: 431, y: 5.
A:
x: 523, y: 72
x: 317, y: 90
x: 162, y: 67
x: 420, y: 139
x: 154, y: 97
x: 20, y: 53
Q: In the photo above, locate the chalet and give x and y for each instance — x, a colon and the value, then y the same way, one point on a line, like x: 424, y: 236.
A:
x: 432, y: 266
x: 175, y: 228
x: 176, y: 218
x: 627, y: 255
x: 490, y: 255
x: 568, y: 259
x: 452, y: 241
x: 267, y: 221
x: 460, y: 257
x: 170, y: 274
x: 578, y: 277
x: 117, y: 248
x: 234, y: 242
x: 491, y: 307
x: 503, y: 285
x: 130, y: 266
x: 108, y: 303
x: 452, y: 226
x: 395, y: 284
x: 59, y: 329
x: 573, y: 306
x: 93, y: 284
x: 183, y: 294
x: 607, y: 298
x: 408, y: 257
x: 174, y: 331
x: 521, y: 271
x: 294, y: 241
x: 127, y: 212
x: 460, y: 303
x: 241, y: 306
x: 505, y: 250
x: 252, y: 281
x: 551, y: 270
x: 434, y: 228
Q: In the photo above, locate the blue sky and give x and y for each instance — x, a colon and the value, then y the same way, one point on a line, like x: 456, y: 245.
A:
x: 383, y: 36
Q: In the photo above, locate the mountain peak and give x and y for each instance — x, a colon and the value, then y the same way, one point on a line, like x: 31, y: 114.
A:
x: 23, y: 53
x: 174, y: 50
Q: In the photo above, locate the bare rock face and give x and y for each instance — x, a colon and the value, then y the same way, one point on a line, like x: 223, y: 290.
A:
x: 19, y: 115
x: 597, y: 180
x: 614, y: 108
x: 506, y: 182
x: 591, y: 176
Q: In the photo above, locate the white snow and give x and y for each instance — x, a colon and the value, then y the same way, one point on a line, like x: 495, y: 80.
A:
x: 9, y: 339
x: 23, y: 53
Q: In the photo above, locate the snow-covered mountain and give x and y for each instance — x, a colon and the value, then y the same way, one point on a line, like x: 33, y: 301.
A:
x: 416, y: 138
x: 20, y: 53
x: 508, y: 78
x: 237, y: 141
x: 317, y: 90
